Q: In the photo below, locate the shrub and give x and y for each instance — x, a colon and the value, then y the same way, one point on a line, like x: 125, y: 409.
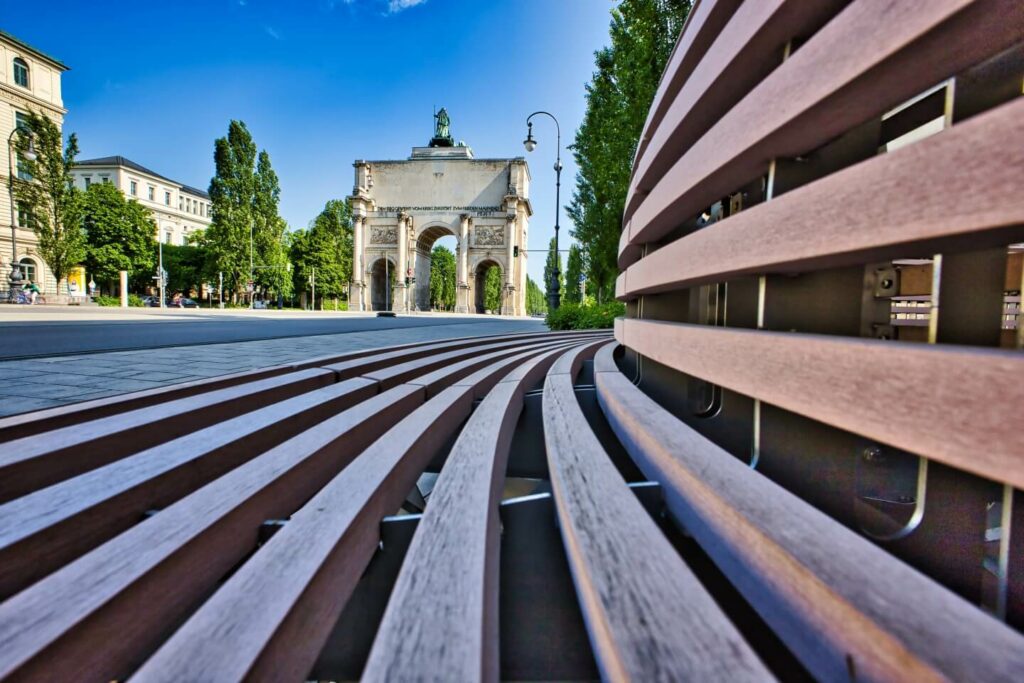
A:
x: 585, y: 316
x: 133, y: 300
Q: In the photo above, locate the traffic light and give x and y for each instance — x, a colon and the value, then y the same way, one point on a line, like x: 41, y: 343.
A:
x: 407, y: 280
x: 515, y: 251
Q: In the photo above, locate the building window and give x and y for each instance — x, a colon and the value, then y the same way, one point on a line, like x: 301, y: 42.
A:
x: 202, y: 209
x: 88, y: 181
x: 24, y: 216
x: 20, y: 72
x: 181, y: 204
x: 167, y: 198
x: 133, y: 187
x: 167, y: 237
x: 184, y: 240
x: 106, y: 179
x: 28, y: 270
x: 151, y: 193
x: 21, y: 120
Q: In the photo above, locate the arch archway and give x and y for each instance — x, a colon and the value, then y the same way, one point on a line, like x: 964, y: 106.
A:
x: 425, y: 241
x: 487, y: 300
x: 381, y: 297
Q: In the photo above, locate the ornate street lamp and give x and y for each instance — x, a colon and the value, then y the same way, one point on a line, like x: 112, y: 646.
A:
x: 14, y: 277
x: 554, y: 296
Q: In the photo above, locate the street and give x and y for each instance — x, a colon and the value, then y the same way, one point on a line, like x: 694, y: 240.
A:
x: 59, y: 356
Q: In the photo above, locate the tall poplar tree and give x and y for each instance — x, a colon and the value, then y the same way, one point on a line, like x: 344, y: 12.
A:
x: 232, y: 192
x: 442, y: 278
x: 619, y: 95
x: 553, y: 262
x: 573, y: 276
x: 48, y: 195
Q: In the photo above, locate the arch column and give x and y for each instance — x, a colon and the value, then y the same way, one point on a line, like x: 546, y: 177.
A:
x: 508, y: 300
x: 355, y: 297
x: 461, y: 276
x: 403, y: 264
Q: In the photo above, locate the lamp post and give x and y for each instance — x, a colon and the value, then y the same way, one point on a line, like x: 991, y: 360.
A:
x: 554, y: 296
x: 14, y: 278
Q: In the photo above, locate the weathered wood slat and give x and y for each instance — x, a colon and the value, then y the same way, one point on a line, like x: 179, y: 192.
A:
x: 844, y: 606
x: 153, y: 574
x: 872, y: 56
x: 275, y: 613
x: 32, y: 462
x: 835, y: 380
x: 442, y: 615
x: 49, y: 527
x: 748, y: 48
x: 953, y: 190
x: 647, y: 615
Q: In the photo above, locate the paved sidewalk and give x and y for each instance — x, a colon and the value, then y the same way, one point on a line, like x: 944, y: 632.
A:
x: 48, y: 382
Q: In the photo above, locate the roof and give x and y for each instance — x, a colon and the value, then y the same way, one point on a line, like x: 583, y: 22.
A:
x: 128, y: 163
x: 38, y: 53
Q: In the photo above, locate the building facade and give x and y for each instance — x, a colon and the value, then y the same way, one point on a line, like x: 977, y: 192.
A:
x: 400, y: 208
x: 29, y: 81
x: 178, y: 210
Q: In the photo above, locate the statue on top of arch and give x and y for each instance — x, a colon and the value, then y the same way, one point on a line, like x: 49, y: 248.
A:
x: 442, y: 130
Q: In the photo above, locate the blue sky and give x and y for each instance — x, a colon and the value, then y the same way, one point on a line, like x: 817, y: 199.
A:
x: 321, y: 83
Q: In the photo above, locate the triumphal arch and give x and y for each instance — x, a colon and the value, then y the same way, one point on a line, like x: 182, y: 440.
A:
x: 400, y: 208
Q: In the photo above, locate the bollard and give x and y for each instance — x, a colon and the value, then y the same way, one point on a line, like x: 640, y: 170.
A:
x: 124, y: 289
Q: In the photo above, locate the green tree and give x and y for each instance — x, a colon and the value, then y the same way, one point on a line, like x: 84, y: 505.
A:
x: 573, y: 276
x: 442, y: 278
x: 326, y: 246
x: 619, y: 95
x: 232, y: 192
x: 120, y: 235
x: 553, y: 262
x: 536, y: 304
x: 48, y: 194
x: 184, y: 266
x: 493, y: 289
x: 271, y: 253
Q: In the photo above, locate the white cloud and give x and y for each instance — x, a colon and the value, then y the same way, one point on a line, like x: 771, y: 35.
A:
x: 269, y: 30
x: 399, y: 5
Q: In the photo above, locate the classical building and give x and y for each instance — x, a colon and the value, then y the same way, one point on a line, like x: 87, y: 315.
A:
x: 178, y: 209
x: 29, y: 81
x: 400, y: 208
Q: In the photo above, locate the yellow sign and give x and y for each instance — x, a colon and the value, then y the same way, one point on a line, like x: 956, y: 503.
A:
x: 76, y: 281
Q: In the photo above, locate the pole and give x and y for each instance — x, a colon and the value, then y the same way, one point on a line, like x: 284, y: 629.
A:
x: 161, y: 274
x: 220, y: 288
x: 124, y: 288
x: 252, y: 286
x: 554, y: 295
x: 314, y: 289
x: 387, y: 284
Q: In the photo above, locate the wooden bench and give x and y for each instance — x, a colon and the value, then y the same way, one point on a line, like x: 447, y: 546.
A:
x: 753, y: 479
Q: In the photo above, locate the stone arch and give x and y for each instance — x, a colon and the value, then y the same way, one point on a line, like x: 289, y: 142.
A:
x: 381, y: 297
x: 480, y: 268
x: 426, y: 236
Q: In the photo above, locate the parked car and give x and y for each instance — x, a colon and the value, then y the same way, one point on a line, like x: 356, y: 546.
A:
x: 182, y: 302
x: 151, y: 301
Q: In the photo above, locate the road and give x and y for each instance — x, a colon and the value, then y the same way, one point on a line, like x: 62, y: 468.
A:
x: 25, y: 339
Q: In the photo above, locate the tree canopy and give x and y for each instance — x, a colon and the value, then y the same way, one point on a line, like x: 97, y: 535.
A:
x: 536, y: 304
x: 573, y: 276
x: 120, y: 235
x: 492, y: 289
x: 326, y: 246
x: 47, y: 194
x: 442, y: 278
x: 619, y: 95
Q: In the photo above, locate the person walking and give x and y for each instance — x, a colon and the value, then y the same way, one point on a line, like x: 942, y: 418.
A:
x: 33, y: 291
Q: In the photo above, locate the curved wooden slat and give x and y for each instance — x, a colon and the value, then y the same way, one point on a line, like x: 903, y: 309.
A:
x: 835, y: 379
x: 154, y: 573
x: 854, y: 68
x: 275, y: 613
x: 955, y: 189
x: 53, y: 525
x: 748, y: 48
x: 647, y: 615
x: 442, y: 614
x: 843, y: 605
x: 39, y: 460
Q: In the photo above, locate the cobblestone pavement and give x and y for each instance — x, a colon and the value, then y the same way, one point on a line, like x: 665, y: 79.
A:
x: 47, y: 382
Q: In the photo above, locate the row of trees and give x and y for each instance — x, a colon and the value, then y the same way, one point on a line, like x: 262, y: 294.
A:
x: 618, y: 97
x: 107, y: 232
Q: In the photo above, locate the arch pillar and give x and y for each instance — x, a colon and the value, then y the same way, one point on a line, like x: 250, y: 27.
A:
x: 355, y: 298
x: 462, y: 303
x: 508, y: 298
x: 403, y: 264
